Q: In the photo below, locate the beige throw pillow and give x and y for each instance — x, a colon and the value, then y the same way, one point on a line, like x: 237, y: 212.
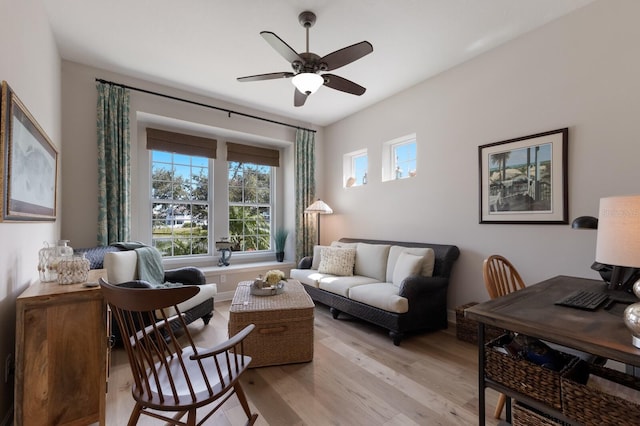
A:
x: 406, y: 265
x: 337, y: 261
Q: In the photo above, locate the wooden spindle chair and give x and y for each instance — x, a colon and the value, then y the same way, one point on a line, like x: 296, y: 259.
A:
x: 168, y: 377
x: 500, y: 278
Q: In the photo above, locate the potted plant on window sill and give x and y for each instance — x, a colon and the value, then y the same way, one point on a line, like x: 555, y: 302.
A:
x: 280, y: 238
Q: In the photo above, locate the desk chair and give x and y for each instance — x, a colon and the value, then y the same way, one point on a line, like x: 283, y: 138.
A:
x: 167, y: 376
x: 500, y: 278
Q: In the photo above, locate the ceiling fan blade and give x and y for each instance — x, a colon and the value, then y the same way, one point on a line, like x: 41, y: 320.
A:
x: 342, y: 84
x: 281, y: 47
x: 270, y: 76
x: 299, y: 98
x: 347, y: 55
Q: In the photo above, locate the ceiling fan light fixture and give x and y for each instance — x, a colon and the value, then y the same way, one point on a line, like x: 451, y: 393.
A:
x: 307, y: 82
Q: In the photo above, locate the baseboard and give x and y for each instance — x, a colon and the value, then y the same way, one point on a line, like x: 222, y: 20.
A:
x: 224, y: 296
x: 451, y: 316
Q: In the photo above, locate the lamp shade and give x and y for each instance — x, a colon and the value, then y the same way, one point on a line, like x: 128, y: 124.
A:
x: 307, y: 82
x: 618, y: 239
x: 319, y: 207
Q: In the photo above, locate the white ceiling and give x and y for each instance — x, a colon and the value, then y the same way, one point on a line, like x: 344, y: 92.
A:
x: 202, y: 45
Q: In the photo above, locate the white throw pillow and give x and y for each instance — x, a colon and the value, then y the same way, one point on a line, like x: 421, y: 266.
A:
x: 407, y: 264
x: 337, y: 261
x: 427, y: 264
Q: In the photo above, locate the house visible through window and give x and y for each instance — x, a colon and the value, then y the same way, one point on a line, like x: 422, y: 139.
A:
x: 250, y: 205
x: 180, y: 203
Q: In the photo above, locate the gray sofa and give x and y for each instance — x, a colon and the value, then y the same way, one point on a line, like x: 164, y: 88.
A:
x: 401, y: 286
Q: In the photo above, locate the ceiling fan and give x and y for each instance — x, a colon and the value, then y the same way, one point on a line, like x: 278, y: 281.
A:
x: 307, y: 66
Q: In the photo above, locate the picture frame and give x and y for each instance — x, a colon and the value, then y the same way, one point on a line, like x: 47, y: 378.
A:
x: 524, y: 180
x: 29, y: 167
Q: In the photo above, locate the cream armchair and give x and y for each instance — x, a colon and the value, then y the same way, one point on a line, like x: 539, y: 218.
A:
x: 122, y: 270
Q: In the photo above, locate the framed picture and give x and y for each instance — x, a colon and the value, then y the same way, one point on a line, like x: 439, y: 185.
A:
x: 524, y: 180
x: 29, y: 168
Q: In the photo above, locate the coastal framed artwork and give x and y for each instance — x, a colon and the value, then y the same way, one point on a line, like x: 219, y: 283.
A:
x: 29, y: 169
x: 524, y: 180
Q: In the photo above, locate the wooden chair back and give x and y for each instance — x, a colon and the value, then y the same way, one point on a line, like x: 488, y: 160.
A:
x: 500, y: 276
x: 168, y: 376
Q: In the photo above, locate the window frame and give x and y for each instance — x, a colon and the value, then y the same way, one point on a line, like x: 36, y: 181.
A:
x: 257, y: 205
x: 350, y: 169
x: 389, y: 158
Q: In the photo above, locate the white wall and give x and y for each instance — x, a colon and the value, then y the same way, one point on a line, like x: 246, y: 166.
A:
x: 31, y: 65
x: 580, y: 72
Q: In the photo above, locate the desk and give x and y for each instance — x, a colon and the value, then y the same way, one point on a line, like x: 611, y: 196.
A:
x: 531, y: 311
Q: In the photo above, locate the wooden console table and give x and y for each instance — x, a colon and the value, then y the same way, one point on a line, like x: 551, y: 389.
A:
x: 531, y: 311
x: 61, y: 354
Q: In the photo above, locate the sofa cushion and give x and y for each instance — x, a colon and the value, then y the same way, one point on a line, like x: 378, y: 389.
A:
x: 121, y: 266
x: 317, y: 257
x: 342, y: 285
x: 427, y: 264
x: 337, y: 261
x: 381, y: 295
x: 308, y: 276
x: 207, y: 291
x: 343, y: 245
x: 371, y: 260
x: 406, y: 265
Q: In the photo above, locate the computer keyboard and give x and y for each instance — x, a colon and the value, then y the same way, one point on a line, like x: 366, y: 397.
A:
x: 581, y: 299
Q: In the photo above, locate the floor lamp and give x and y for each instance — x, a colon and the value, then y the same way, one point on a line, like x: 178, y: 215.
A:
x: 319, y: 207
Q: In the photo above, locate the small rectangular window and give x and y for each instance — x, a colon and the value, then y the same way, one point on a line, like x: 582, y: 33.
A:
x: 355, y: 168
x: 399, y: 158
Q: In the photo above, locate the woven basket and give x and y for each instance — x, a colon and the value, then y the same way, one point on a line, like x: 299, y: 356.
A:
x: 527, y: 416
x: 537, y: 382
x: 591, y: 406
x: 467, y: 330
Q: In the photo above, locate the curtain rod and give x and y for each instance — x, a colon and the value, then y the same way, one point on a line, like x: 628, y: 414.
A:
x: 228, y: 111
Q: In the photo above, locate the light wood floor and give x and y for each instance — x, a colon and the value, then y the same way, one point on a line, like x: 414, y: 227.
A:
x: 357, y: 377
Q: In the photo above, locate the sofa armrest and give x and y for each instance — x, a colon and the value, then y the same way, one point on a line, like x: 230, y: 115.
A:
x: 305, y: 262
x: 136, y: 284
x: 187, y: 275
x: 418, y: 286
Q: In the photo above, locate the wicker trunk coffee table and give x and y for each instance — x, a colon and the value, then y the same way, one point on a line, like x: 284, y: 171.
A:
x: 284, y: 324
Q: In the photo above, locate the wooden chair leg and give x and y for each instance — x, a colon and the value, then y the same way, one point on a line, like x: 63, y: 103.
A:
x: 135, y: 415
x: 502, y: 399
x: 243, y: 402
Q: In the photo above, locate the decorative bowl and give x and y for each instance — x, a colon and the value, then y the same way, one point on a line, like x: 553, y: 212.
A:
x: 268, y: 290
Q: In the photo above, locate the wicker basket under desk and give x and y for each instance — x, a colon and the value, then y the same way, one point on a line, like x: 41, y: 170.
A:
x: 527, y: 416
x: 589, y: 405
x: 467, y: 330
x: 527, y: 378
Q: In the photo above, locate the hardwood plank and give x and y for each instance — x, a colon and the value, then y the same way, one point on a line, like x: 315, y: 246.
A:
x: 357, y: 377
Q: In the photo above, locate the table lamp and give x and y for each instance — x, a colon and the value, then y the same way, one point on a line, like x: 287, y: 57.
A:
x: 618, y: 244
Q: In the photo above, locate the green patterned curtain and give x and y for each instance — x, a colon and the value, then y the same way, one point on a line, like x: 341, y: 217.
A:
x: 305, y: 192
x: 114, y: 170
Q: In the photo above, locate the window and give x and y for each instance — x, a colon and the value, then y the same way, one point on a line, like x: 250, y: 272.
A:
x: 250, y: 208
x: 180, y: 203
x: 355, y: 168
x: 400, y: 158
